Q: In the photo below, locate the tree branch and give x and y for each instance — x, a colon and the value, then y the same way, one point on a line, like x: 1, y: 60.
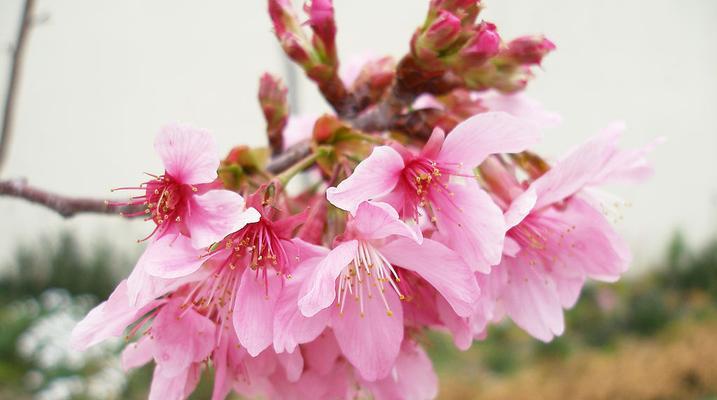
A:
x: 13, y: 79
x: 63, y: 205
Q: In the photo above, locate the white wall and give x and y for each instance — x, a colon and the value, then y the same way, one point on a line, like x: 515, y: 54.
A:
x: 101, y: 76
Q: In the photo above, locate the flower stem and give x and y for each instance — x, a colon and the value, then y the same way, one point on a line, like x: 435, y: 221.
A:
x: 301, y: 165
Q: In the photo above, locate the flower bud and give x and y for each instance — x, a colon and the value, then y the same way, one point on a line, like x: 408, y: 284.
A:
x: 288, y: 31
x: 272, y: 98
x: 377, y: 74
x: 296, y: 48
x: 466, y: 10
x: 529, y: 49
x: 326, y: 128
x: 484, y: 44
x: 282, y: 16
x: 321, y: 20
x: 442, y: 32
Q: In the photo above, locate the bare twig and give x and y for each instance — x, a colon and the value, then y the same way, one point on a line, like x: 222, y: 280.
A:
x: 63, y: 205
x: 291, y: 156
x: 13, y: 79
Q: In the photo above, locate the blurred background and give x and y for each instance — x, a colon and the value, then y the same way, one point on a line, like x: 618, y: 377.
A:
x: 100, y: 77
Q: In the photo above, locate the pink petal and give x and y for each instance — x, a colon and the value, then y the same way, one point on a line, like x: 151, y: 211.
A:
x: 137, y: 354
x: 413, y: 377
x: 215, y: 214
x: 440, y: 267
x: 108, y: 319
x: 171, y: 257
x: 299, y: 250
x: 253, y: 311
x: 458, y: 326
x: 291, y: 328
x: 143, y: 288
x: 175, y: 387
x: 627, y: 165
x: 577, y: 169
x: 372, y: 342
x: 520, y: 208
x: 189, y: 155
x: 293, y: 364
x: 472, y: 223
x: 222, y: 377
x: 319, y: 290
x: 510, y: 247
x: 521, y: 106
x: 375, y: 176
x: 182, y: 337
x: 350, y: 70
x: 434, y: 144
x: 376, y: 220
x: 491, y: 286
x: 531, y: 299
x: 298, y: 128
x: 595, y: 247
x: 484, y: 134
x: 322, y: 354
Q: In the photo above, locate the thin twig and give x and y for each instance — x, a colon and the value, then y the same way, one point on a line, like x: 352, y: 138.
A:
x: 13, y: 79
x: 63, y: 205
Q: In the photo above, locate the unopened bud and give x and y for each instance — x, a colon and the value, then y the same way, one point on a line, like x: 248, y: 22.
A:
x: 288, y: 31
x: 321, y: 20
x: 296, y: 48
x: 325, y: 128
x: 442, y: 32
x: 484, y: 44
x: 529, y: 49
x: 282, y: 16
x: 272, y: 98
x: 465, y: 10
x: 376, y: 74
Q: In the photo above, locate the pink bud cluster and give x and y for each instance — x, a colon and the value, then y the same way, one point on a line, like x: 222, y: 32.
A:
x: 452, y: 39
x: 324, y: 293
x: 316, y: 54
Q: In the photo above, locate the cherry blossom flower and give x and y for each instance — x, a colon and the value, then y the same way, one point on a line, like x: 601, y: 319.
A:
x: 426, y: 184
x: 182, y: 200
x: 558, y: 237
x: 362, y: 277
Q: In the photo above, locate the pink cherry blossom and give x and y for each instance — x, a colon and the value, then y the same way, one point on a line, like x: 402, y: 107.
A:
x: 182, y: 200
x: 362, y: 277
x: 561, y: 239
x: 412, y: 377
x: 432, y: 183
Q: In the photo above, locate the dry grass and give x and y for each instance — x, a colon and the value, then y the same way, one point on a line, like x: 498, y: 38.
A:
x: 677, y: 364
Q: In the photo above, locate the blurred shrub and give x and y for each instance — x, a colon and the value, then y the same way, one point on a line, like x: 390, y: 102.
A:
x: 62, y: 263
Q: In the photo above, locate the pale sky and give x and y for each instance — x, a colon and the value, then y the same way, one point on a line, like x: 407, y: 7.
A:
x: 102, y: 76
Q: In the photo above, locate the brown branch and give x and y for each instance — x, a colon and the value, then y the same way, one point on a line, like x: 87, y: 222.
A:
x: 63, y: 205
x: 291, y: 156
x: 13, y: 79
x: 409, y: 82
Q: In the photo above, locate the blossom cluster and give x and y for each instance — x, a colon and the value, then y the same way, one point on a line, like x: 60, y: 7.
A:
x: 326, y: 292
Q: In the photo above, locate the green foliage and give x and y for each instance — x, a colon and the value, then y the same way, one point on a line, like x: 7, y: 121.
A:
x: 61, y: 263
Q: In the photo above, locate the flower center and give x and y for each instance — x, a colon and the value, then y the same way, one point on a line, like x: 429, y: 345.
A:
x: 164, y: 199
x: 368, y: 273
x: 257, y: 246
x: 541, y: 237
